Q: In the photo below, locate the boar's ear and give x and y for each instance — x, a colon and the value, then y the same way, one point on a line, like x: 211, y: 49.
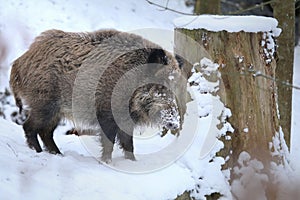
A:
x: 158, y: 56
x: 180, y: 61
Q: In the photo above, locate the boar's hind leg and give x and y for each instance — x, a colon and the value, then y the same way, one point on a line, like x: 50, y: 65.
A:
x: 31, y: 134
x: 51, y: 116
x: 46, y: 135
x: 126, y: 142
x: 42, y: 120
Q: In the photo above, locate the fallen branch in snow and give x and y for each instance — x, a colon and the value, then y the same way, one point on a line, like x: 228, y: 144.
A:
x: 12, y: 149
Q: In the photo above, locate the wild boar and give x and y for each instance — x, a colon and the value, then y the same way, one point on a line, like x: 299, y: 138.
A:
x: 62, y: 68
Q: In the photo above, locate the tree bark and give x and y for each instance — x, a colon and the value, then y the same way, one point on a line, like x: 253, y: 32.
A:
x: 207, y: 7
x: 244, y: 89
x: 284, y: 12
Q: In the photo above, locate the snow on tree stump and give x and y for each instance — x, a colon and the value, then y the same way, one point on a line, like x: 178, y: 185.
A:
x: 244, y: 48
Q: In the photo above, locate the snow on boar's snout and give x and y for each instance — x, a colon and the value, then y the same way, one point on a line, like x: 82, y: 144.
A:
x: 155, y: 105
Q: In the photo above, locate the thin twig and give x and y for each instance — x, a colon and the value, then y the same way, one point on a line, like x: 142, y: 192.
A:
x: 191, y: 14
x: 236, y: 5
x: 166, y: 7
x: 170, y: 9
x: 259, y: 74
x: 251, y: 8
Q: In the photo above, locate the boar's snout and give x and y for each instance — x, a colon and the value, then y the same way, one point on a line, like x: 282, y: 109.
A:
x: 172, y: 126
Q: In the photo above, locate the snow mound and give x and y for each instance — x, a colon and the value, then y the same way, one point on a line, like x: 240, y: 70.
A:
x: 231, y: 24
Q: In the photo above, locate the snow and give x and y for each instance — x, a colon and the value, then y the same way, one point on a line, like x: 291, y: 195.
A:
x: 251, y: 179
x: 166, y: 166
x: 295, y: 126
x: 231, y: 24
x: 74, y: 175
x: 269, y: 46
x: 246, y: 130
x: 295, y: 151
x: 208, y: 66
x: 203, y: 90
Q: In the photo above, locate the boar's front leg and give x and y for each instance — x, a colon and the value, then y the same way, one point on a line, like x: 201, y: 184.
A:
x: 109, y: 128
x: 126, y: 142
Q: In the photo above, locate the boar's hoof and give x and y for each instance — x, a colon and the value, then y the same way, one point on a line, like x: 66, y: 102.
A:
x: 34, y: 144
x: 106, y: 159
x: 130, y: 156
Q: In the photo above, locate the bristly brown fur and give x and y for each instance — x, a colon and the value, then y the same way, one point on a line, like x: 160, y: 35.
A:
x: 44, y: 78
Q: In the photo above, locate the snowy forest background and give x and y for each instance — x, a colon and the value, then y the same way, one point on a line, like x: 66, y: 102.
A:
x: 24, y: 174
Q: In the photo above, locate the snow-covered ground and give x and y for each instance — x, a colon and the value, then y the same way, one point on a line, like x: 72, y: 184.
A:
x: 160, y: 173
x: 165, y: 167
x: 295, y: 150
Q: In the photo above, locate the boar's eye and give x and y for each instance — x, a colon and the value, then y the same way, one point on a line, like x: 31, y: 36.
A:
x: 165, y: 60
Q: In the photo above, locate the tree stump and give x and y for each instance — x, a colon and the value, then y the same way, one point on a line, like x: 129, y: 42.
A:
x: 247, y: 87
